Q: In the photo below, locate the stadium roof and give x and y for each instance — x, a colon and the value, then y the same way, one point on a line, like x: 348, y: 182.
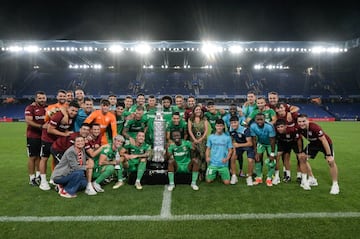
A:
x: 168, y: 54
x: 72, y: 45
x: 180, y: 20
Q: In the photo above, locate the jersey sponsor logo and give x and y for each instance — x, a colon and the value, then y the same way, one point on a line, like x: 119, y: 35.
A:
x: 179, y: 154
x: 39, y: 117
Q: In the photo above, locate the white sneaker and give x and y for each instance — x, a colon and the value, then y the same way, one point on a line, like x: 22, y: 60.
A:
x: 335, y: 189
x: 44, y: 185
x: 249, y: 181
x: 138, y: 185
x: 313, y: 182
x: 234, y: 179
x: 52, y: 182
x: 90, y: 191
x: 276, y: 181
x: 194, y: 187
x: 118, y: 184
x: 97, y: 187
x: 171, y: 187
x: 305, y: 185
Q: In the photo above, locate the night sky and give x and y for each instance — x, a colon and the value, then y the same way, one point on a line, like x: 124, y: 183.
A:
x: 180, y: 20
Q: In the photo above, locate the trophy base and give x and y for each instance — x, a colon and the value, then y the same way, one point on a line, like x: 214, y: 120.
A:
x: 157, y: 174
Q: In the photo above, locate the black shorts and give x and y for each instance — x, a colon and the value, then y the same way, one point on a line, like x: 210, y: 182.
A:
x: 33, y: 147
x: 313, y: 149
x: 57, y: 155
x: 45, y: 149
x: 249, y: 152
x: 286, y: 147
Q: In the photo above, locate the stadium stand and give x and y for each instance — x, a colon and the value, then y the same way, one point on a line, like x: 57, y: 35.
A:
x: 226, y: 78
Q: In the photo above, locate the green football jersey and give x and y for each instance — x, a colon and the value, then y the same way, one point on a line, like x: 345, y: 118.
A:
x: 133, y: 149
x: 181, y: 152
x: 182, y: 127
x: 212, y: 119
x: 110, y: 152
x: 134, y: 126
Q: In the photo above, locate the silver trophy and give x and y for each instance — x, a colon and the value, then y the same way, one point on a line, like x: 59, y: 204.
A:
x: 159, y: 135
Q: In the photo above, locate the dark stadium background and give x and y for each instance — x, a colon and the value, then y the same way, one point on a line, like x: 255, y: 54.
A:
x: 260, y: 21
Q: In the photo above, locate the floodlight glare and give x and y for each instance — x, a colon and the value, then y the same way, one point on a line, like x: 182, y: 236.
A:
x: 31, y: 48
x: 15, y: 48
x: 317, y: 50
x: 236, y: 49
x: 143, y: 48
x: 116, y: 49
x: 209, y: 48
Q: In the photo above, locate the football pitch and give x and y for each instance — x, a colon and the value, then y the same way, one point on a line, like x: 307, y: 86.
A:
x: 215, y: 211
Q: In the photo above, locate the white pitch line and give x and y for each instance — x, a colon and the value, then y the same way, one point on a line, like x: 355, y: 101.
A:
x: 166, y: 204
x: 187, y: 217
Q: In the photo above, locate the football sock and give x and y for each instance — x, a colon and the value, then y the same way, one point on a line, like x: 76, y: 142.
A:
x: 141, y: 170
x: 258, y: 169
x: 43, y: 177
x: 171, y: 177
x: 194, y: 177
x: 120, y: 173
x: 271, y: 167
x: 303, y: 177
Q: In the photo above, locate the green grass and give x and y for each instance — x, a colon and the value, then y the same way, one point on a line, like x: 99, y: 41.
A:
x: 17, y: 198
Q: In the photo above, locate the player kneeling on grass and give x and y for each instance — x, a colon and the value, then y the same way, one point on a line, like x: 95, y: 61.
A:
x: 218, y: 153
x: 70, y: 173
x: 180, y: 160
x: 107, y: 162
x: 134, y: 158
